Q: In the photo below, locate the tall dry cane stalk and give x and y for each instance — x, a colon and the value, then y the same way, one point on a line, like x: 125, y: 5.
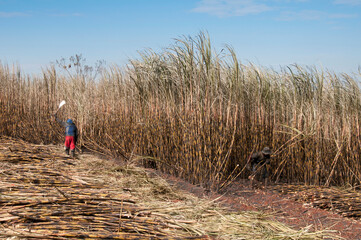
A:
x: 177, y: 108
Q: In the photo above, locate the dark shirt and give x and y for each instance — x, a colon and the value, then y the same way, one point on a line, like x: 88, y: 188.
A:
x: 70, y: 128
x: 259, y: 158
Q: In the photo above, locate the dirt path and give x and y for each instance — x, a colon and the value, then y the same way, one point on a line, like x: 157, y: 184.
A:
x: 294, y: 213
x: 283, y: 207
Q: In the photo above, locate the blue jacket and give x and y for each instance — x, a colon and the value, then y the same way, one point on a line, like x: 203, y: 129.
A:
x: 70, y: 128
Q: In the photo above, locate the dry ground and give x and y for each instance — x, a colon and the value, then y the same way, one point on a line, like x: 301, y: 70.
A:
x: 301, y: 207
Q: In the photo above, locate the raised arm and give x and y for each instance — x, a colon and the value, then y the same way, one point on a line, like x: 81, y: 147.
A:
x: 59, y: 121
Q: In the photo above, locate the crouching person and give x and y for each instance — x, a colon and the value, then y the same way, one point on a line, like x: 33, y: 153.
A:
x: 259, y: 162
x: 71, y: 135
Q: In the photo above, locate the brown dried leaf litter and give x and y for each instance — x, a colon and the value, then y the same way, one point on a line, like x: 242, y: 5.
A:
x: 346, y: 202
x: 47, y: 195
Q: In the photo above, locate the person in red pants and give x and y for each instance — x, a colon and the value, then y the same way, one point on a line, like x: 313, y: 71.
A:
x: 71, y: 135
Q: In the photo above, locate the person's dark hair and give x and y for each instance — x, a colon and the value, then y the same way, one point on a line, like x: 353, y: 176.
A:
x: 266, y: 151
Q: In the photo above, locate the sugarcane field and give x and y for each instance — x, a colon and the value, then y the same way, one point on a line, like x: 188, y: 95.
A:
x: 185, y: 143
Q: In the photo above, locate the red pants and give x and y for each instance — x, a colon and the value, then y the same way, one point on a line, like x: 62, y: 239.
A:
x: 70, y: 142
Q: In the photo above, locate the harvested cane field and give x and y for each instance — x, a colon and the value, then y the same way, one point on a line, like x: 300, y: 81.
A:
x: 42, y: 197
x: 346, y: 202
x: 188, y: 111
x: 46, y: 195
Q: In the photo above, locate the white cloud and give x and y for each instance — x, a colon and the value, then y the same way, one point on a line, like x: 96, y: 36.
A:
x: 66, y: 15
x: 290, y: 1
x: 342, y: 16
x: 348, y: 2
x: 13, y: 14
x: 23, y: 14
x: 312, y: 15
x: 307, y: 15
x: 227, y: 8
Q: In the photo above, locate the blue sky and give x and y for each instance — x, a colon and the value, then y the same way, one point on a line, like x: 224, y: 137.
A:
x: 269, y: 33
